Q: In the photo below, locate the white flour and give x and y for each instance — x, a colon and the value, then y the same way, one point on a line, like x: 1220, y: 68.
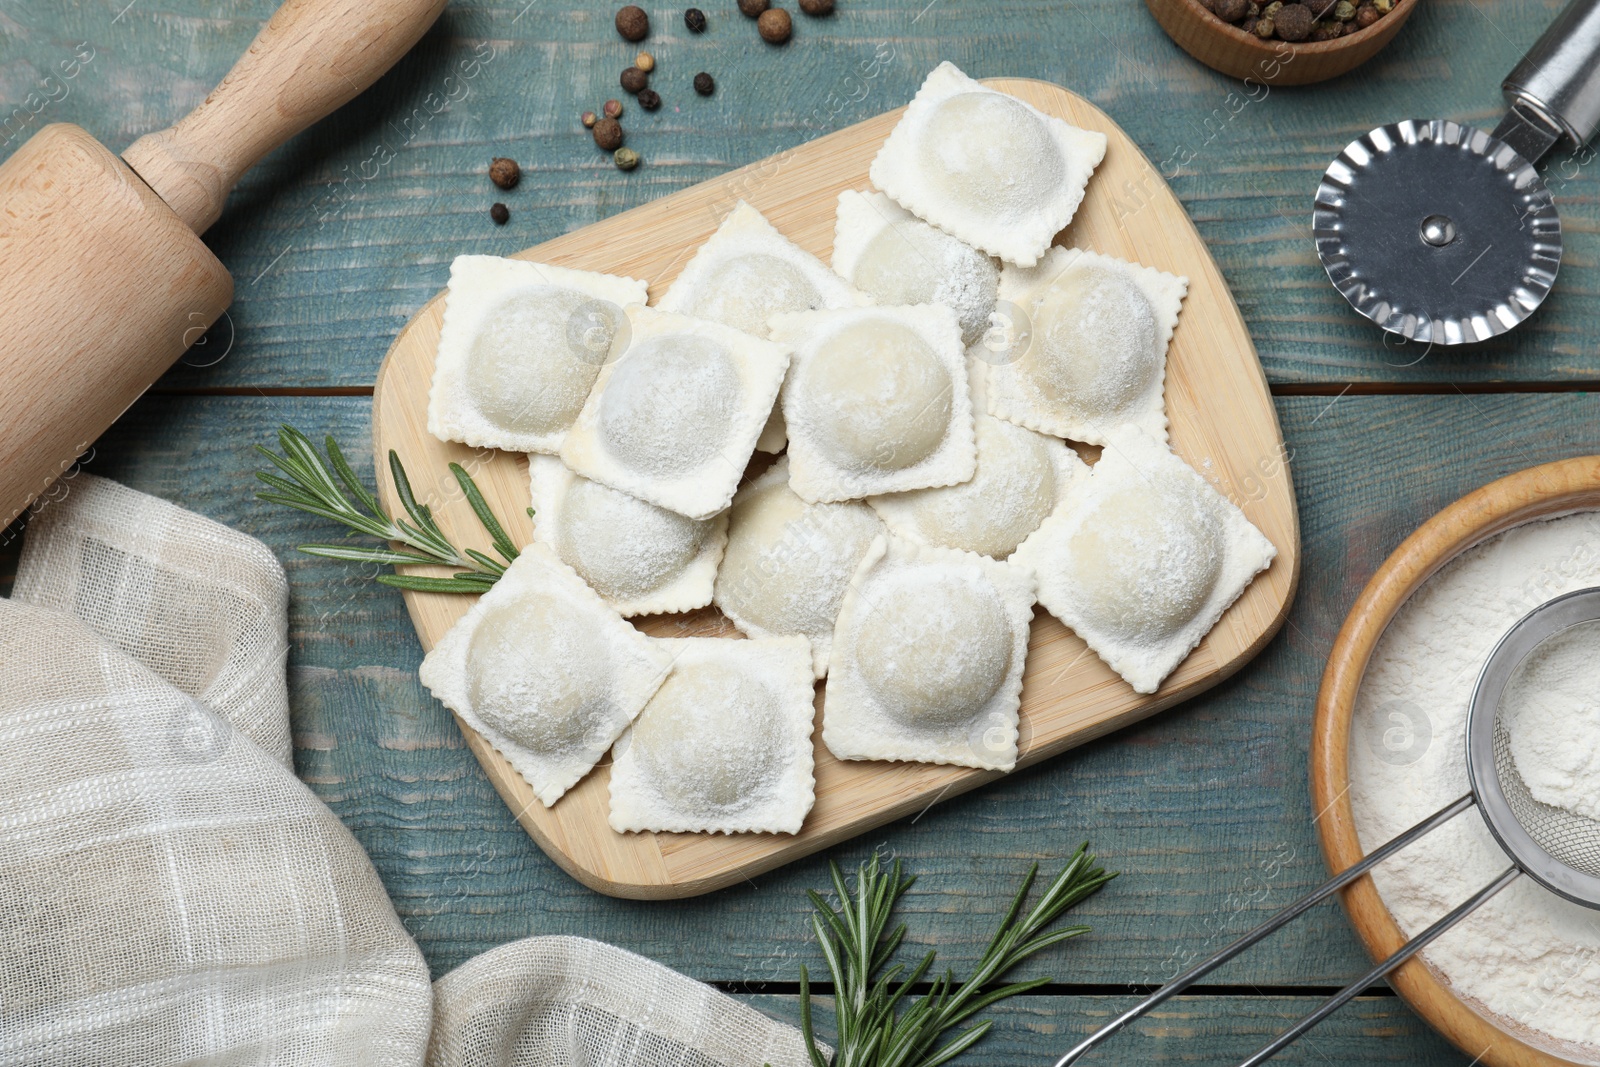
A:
x: 1526, y: 956
x: 1552, y: 715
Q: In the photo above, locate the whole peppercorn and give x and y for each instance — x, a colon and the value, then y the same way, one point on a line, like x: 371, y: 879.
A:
x: 645, y: 62
x: 612, y: 109
x: 1264, y: 28
x: 1327, y: 31
x: 1231, y: 10
x: 504, y: 172
x: 1293, y: 22
x: 634, y: 79
x: 633, y: 23
x: 1344, y: 11
x: 703, y: 84
x: 1320, y: 8
x: 774, y: 25
x: 626, y: 159
x: 1249, y: 24
x: 695, y: 19
x: 752, y: 8
x: 1366, y: 15
x: 1383, y: 7
x: 649, y: 99
x: 1272, y: 9
x: 1254, y: 11
x: 588, y: 120
x: 500, y: 214
x: 817, y: 8
x: 608, y: 134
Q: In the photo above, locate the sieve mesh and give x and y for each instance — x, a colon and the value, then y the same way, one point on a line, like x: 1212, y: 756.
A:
x: 1569, y: 838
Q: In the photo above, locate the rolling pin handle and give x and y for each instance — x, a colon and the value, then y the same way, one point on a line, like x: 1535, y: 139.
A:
x: 310, y: 57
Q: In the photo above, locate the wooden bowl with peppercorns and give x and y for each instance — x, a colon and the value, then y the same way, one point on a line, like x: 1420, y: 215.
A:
x: 1329, y: 37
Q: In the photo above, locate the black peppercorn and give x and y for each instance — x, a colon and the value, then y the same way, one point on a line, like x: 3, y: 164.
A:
x: 504, y: 172
x: 1293, y: 22
x: 703, y: 84
x: 500, y: 214
x: 774, y: 25
x: 649, y: 99
x: 634, y: 79
x: 608, y: 134
x: 633, y: 23
x: 695, y: 19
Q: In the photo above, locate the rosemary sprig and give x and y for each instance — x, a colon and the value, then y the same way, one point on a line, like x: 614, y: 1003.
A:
x: 872, y: 1030
x: 308, y: 484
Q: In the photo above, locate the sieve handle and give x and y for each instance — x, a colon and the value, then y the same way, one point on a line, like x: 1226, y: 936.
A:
x: 1403, y: 953
x: 1277, y: 922
x: 1559, y: 77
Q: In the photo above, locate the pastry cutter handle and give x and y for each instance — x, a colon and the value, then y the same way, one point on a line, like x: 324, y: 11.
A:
x: 1554, y: 91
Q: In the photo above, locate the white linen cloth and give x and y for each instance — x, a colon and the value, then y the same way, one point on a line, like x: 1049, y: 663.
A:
x: 170, y: 893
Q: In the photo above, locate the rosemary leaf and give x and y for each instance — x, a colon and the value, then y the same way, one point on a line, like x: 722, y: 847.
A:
x: 303, y: 480
x: 497, y: 534
x: 877, y: 1021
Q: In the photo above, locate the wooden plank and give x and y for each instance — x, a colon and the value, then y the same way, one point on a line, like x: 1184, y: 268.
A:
x: 1221, y: 419
x: 1205, y: 808
x: 330, y: 262
x: 1205, y: 1030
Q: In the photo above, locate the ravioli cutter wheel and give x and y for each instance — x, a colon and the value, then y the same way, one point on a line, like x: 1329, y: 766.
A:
x: 1444, y: 233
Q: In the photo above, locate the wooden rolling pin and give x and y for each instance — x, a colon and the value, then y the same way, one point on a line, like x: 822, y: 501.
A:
x: 104, y: 280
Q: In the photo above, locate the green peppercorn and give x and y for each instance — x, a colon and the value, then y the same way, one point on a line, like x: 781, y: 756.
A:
x: 1264, y: 28
x: 626, y: 159
x: 1344, y: 11
x: 1272, y: 9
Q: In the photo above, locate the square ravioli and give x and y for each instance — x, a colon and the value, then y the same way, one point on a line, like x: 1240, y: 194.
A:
x: 746, y: 273
x: 546, y: 671
x: 1095, y: 355
x: 894, y: 257
x: 928, y: 655
x: 519, y: 350
x: 985, y: 167
x: 724, y: 746
x: 642, y: 559
x: 788, y: 563
x: 1142, y: 558
x: 1021, y: 476
x: 877, y: 401
x: 674, y: 418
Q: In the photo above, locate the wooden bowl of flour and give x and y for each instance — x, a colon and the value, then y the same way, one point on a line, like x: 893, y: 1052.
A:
x: 1541, y: 492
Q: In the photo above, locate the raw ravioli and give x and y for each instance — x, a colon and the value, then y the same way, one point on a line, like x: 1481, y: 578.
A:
x: 896, y: 258
x: 674, y: 419
x: 928, y: 655
x: 546, y: 671
x: 877, y: 401
x: 746, y: 273
x: 788, y: 562
x: 644, y: 560
x: 1020, y: 477
x: 985, y: 167
x: 520, y: 348
x: 724, y: 746
x: 1142, y: 558
x: 1096, y: 348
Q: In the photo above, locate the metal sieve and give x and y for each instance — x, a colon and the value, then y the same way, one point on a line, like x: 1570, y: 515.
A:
x: 1556, y: 848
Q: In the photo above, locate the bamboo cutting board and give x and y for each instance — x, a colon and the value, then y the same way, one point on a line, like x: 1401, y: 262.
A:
x: 1222, y: 423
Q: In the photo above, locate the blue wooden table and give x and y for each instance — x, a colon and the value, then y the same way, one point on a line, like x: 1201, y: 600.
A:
x: 337, y: 238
